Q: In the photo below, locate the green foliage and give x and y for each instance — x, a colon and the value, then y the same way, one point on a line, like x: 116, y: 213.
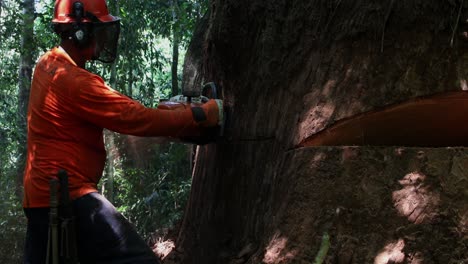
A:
x: 152, y: 197
x: 12, y: 220
x: 12, y: 225
x: 143, y: 66
x: 44, y: 38
x: 9, y: 58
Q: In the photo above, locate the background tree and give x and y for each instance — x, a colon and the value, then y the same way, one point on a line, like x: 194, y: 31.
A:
x: 290, y: 69
x: 16, y: 64
x: 24, y: 83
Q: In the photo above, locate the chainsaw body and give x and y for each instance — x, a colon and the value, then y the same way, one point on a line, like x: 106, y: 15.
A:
x: 198, y: 135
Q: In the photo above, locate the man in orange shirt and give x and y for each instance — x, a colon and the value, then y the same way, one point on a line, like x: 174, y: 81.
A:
x: 68, y: 109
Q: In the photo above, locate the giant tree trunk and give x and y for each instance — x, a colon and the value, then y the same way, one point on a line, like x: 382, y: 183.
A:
x: 291, y: 69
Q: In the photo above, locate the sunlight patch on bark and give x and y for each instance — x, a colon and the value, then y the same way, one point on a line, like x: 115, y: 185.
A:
x: 415, y: 258
x: 327, y: 89
x: 276, y: 253
x: 463, y: 225
x: 316, y: 116
x: 391, y: 253
x: 163, y: 248
x: 416, y: 201
x: 190, y: 71
x: 463, y: 85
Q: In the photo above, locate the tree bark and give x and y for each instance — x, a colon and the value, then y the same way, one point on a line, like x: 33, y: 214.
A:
x: 175, y: 64
x: 192, y: 76
x: 111, y: 148
x: 24, y: 85
x: 175, y: 48
x: 291, y: 69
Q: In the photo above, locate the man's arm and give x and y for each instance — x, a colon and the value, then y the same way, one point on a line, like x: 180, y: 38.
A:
x: 99, y: 104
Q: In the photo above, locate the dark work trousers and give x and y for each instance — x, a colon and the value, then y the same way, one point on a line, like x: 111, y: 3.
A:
x: 103, y: 234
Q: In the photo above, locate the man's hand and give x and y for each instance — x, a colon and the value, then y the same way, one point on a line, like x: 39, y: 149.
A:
x: 209, y: 114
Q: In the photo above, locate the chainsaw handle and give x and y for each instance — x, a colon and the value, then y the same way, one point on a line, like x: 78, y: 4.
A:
x: 191, y: 93
x: 210, y: 90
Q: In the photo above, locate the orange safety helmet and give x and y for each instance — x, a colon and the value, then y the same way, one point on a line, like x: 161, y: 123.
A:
x: 64, y: 11
x: 88, y: 22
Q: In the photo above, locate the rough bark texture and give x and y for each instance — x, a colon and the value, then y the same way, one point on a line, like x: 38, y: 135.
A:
x: 290, y: 69
x: 24, y: 83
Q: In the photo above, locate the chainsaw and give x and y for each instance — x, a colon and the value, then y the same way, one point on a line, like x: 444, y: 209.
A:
x: 202, y: 135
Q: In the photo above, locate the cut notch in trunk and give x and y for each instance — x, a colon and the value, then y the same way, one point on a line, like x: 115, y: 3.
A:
x: 435, y: 121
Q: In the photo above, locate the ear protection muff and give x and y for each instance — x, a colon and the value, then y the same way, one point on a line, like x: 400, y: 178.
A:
x: 80, y: 30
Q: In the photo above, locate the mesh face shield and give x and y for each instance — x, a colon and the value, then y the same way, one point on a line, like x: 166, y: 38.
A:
x: 106, y: 36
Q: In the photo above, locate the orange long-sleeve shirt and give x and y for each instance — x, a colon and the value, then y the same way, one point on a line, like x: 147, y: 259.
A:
x: 68, y: 109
